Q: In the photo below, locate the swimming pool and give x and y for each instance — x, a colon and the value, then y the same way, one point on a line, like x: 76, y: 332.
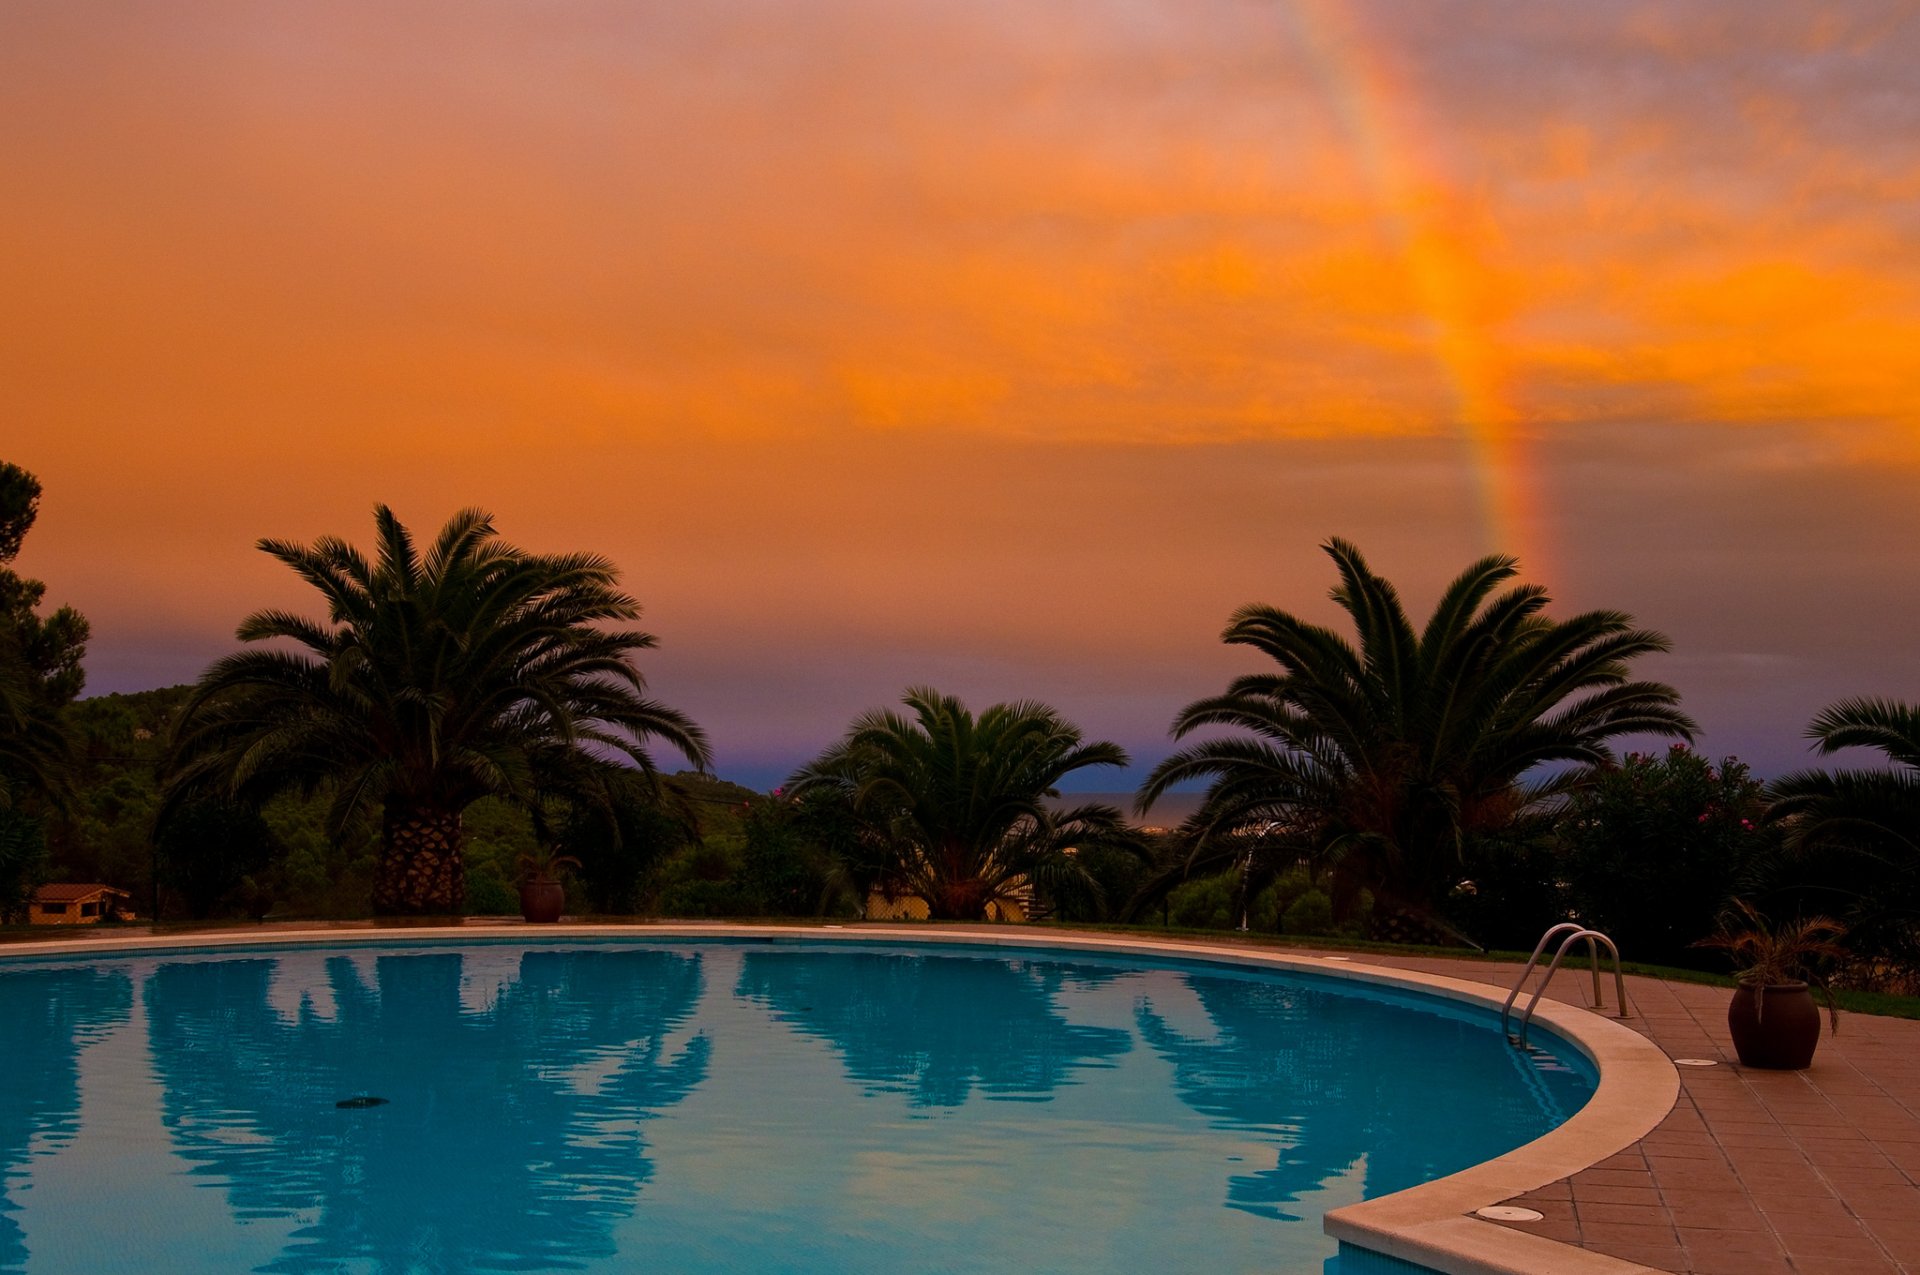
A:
x: 727, y: 1105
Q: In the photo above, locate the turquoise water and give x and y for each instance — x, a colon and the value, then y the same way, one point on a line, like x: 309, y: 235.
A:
x: 715, y: 1107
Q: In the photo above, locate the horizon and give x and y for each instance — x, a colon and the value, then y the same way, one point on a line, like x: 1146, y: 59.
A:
x: 998, y: 349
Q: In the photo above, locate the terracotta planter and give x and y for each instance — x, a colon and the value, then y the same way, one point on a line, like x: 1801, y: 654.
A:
x: 542, y: 901
x: 1774, y: 1027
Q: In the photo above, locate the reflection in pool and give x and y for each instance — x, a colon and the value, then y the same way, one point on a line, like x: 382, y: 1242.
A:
x: 48, y: 1017
x: 722, y: 1107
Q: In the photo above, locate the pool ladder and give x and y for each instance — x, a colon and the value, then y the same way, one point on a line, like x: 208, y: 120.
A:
x: 1574, y: 933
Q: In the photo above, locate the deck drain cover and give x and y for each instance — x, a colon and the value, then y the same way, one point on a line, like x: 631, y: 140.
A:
x: 1696, y: 1062
x: 1337, y: 958
x: 1509, y: 1213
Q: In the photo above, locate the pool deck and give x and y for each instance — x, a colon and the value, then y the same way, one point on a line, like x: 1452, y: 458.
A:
x: 1754, y: 1172
x: 1751, y: 1172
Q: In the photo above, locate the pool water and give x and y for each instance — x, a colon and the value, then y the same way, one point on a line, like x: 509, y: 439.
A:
x: 708, y: 1107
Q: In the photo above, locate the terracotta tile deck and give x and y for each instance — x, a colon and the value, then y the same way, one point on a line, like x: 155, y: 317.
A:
x: 1754, y: 1172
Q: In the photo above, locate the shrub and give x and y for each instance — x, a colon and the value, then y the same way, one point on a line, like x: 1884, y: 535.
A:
x: 1513, y: 888
x: 784, y: 870
x: 1656, y: 846
x: 1113, y: 876
x: 214, y: 855
x: 621, y: 848
x: 489, y: 893
x: 700, y: 897
x: 1311, y: 913
x: 1205, y: 904
x: 1213, y: 903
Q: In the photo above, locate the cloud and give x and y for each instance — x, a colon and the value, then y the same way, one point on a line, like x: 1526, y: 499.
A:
x: 1015, y: 342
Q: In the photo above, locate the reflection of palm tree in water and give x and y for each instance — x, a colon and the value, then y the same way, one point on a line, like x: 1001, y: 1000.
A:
x: 935, y: 1026
x: 1339, y: 1079
x: 510, y: 1138
x: 49, y: 1016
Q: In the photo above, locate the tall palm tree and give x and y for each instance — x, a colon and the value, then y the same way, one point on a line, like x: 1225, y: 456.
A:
x: 1863, y: 825
x: 1385, y: 759
x: 957, y: 808
x: 477, y: 670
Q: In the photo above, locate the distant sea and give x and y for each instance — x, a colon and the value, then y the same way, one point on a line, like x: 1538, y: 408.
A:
x: 1166, y: 813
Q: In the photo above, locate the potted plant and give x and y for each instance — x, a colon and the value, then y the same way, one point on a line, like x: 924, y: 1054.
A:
x: 543, y: 891
x: 1773, y: 1020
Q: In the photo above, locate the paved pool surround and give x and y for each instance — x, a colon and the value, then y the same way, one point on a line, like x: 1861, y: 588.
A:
x: 1429, y: 1226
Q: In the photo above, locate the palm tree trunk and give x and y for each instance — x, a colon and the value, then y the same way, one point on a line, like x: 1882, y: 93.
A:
x: 419, y: 869
x: 959, y: 900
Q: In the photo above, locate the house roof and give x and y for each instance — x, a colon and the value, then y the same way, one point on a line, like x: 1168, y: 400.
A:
x: 63, y: 893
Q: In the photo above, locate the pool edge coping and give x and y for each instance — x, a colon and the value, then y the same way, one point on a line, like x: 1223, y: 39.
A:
x: 1430, y: 1224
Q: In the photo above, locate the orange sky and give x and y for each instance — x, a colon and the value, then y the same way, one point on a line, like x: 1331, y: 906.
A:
x: 1005, y: 346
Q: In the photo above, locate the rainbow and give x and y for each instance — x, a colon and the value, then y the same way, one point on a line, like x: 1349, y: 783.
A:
x: 1423, y: 216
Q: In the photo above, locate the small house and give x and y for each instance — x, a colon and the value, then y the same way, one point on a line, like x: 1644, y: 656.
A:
x: 78, y: 904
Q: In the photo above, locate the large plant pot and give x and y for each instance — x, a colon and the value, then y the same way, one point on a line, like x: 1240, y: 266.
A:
x: 1774, y: 1027
x: 542, y: 901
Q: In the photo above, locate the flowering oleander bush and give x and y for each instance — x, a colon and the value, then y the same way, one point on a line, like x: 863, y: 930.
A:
x: 1654, y: 848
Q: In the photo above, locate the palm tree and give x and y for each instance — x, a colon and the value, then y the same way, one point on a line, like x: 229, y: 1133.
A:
x: 957, y: 808
x: 479, y: 670
x: 1385, y: 760
x: 1863, y: 824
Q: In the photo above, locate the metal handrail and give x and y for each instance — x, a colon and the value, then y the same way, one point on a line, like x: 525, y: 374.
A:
x: 1565, y: 927
x: 1591, y: 938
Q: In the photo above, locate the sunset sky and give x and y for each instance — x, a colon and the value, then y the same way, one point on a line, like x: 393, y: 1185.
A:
x: 1004, y: 346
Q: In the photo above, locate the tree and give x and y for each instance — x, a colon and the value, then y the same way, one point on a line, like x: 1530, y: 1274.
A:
x: 476, y: 670
x: 46, y: 652
x: 23, y: 857
x: 621, y: 842
x: 957, y: 809
x: 1655, y: 848
x: 1855, y: 834
x: 788, y: 859
x: 36, y: 752
x: 213, y: 853
x: 40, y: 674
x: 1382, y: 762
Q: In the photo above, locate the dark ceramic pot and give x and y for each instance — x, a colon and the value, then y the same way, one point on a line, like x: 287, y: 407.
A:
x: 1774, y: 1027
x: 542, y: 901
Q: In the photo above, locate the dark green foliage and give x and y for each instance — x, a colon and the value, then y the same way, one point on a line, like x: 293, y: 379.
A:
x: 52, y: 647
x: 787, y: 871
x: 1655, y: 848
x: 19, y: 506
x: 472, y: 670
x: 40, y: 672
x: 621, y: 845
x: 23, y: 859
x: 956, y: 809
x: 1381, y: 762
x: 1217, y: 903
x: 1310, y: 914
x: 1117, y: 874
x: 498, y: 835
x: 1256, y: 859
x: 106, y: 834
x: 213, y: 855
x: 707, y: 880
x: 491, y: 889
x: 1853, y: 836
x: 1511, y: 887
